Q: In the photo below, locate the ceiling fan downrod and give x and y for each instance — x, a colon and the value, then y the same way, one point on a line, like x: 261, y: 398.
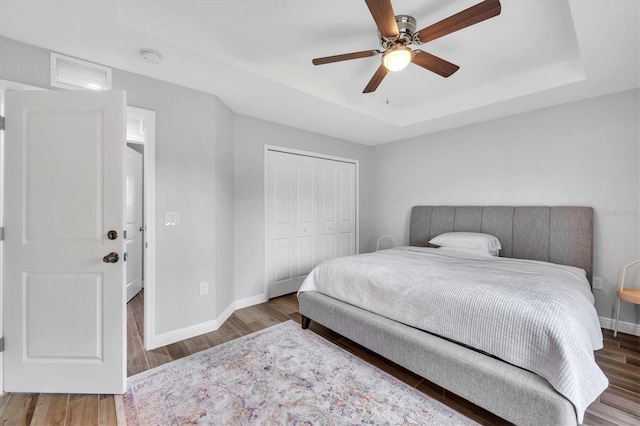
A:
x: 406, y: 29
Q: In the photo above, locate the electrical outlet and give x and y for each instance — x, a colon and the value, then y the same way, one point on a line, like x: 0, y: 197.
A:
x: 597, y: 283
x: 204, y: 288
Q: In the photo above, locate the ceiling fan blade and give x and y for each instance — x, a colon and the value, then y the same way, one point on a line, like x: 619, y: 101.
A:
x: 345, y: 57
x: 375, y: 81
x: 433, y: 63
x: 382, y: 13
x: 478, y: 13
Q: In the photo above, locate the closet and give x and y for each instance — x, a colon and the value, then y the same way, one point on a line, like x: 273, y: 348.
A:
x: 310, y: 216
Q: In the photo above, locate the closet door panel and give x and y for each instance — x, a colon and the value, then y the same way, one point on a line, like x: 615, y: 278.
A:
x: 336, y: 198
x: 282, y: 250
x: 306, y: 214
x: 346, y: 190
x: 328, y: 209
x: 280, y: 222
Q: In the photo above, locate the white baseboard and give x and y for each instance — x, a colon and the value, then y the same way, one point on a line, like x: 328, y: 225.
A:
x: 184, y: 333
x: 623, y: 326
x: 225, y: 314
x: 250, y: 301
x: 206, y: 327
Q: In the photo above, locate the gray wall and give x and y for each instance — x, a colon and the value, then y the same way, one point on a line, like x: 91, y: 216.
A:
x: 225, y: 208
x: 210, y: 167
x: 251, y: 135
x: 582, y: 153
x: 194, y: 176
x: 192, y: 138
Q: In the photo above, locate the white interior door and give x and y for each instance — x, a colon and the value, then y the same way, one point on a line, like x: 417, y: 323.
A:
x: 64, y: 307
x: 291, y: 221
x: 337, y: 209
x: 133, y: 220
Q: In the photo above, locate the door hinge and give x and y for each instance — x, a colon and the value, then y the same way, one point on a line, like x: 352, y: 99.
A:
x: 124, y: 257
x: 124, y: 235
x: 1, y: 233
x: 2, y: 344
x: 1, y: 122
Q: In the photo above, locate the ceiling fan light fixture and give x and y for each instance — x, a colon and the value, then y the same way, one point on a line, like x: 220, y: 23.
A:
x: 397, y: 58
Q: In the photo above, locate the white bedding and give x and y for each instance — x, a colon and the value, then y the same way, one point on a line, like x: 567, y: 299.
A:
x: 537, y: 315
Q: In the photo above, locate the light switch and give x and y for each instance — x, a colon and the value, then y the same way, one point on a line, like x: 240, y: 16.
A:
x: 171, y: 218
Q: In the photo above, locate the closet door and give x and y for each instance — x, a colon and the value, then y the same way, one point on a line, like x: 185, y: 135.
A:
x: 291, y: 221
x: 337, y: 209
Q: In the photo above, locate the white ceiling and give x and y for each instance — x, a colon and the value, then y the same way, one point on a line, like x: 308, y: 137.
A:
x: 255, y: 55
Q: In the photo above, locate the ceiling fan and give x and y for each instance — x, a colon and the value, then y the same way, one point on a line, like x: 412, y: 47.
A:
x: 398, y: 32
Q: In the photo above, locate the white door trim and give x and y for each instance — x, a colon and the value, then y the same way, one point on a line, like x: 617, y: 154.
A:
x: 268, y: 148
x: 149, y: 172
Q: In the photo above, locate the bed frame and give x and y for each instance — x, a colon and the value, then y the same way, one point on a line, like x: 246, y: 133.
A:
x: 555, y: 234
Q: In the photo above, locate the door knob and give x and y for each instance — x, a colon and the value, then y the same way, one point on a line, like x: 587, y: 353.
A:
x: 112, y: 257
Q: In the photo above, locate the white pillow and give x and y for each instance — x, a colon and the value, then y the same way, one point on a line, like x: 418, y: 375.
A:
x: 470, y: 251
x: 468, y: 240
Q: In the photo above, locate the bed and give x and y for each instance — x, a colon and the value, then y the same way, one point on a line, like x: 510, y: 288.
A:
x: 559, y: 235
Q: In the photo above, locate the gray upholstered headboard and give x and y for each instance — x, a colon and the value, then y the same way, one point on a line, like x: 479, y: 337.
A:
x: 561, y: 235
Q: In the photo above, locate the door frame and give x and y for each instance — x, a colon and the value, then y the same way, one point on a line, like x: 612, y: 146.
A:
x: 149, y: 218
x: 293, y: 151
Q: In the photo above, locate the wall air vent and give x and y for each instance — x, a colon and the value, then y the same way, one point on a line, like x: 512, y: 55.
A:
x: 72, y: 73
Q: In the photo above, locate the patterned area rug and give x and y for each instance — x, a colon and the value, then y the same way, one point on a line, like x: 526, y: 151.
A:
x: 277, y: 376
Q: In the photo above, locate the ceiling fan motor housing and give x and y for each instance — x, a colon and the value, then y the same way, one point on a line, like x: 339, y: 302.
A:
x: 406, y: 28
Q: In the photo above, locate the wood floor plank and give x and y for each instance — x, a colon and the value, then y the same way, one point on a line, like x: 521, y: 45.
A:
x: 611, y: 354
x: 137, y: 307
x: 136, y: 358
x: 248, y: 315
x: 226, y: 330
x: 198, y: 343
x: 177, y: 350
x: 620, y: 382
x: 215, y: 337
x: 51, y: 410
x: 621, y: 402
x: 4, y: 399
x: 286, y: 304
x: 630, y: 344
x: 295, y: 317
x: 240, y: 327
x: 83, y: 410
x: 272, y: 315
x: 623, y: 393
x: 611, y: 414
x: 618, y: 368
x: 592, y: 419
x: 19, y: 409
x: 107, y: 411
x: 157, y: 357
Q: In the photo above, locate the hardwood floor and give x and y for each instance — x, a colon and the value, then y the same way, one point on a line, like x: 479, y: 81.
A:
x: 618, y: 405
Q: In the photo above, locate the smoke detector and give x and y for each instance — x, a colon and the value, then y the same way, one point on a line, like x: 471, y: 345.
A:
x: 151, y: 56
